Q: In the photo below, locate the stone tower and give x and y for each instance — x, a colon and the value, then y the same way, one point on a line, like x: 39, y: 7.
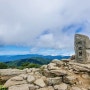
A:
x: 82, y: 48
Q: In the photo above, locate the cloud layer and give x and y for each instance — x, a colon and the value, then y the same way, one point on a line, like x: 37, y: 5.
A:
x: 43, y: 23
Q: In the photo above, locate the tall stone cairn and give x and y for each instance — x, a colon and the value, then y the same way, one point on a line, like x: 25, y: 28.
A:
x: 82, y: 48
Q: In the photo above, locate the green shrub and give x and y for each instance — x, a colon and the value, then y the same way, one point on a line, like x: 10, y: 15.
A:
x: 3, y: 88
x: 29, y: 65
x: 25, y: 64
x: 3, y: 65
x: 32, y: 65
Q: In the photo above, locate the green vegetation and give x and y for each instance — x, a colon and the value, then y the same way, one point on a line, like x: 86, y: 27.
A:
x: 28, y: 65
x: 33, y: 62
x: 3, y: 66
x: 3, y: 88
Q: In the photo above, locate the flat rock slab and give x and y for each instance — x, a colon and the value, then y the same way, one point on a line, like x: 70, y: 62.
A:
x: 40, y: 83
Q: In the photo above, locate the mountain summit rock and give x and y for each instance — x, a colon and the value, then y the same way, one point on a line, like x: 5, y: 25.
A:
x: 66, y: 74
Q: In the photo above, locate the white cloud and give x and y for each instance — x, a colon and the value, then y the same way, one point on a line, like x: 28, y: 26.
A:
x: 23, y: 22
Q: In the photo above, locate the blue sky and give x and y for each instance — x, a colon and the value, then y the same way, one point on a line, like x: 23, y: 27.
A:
x: 21, y: 50
x: 42, y: 26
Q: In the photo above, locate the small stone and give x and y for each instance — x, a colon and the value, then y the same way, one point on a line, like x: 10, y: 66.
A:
x: 40, y: 82
x: 75, y: 88
x: 19, y: 87
x: 62, y: 86
x: 24, y: 76
x: 17, y: 78
x: 70, y: 80
x: 52, y: 66
x: 59, y: 72
x: 47, y: 88
x: 54, y: 81
x: 30, y: 79
x: 85, y: 76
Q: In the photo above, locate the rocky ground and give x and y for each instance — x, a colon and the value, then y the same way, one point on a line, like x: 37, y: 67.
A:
x: 57, y: 75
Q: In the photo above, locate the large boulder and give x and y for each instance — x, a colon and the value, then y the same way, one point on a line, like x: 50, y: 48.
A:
x: 15, y: 81
x: 6, y: 74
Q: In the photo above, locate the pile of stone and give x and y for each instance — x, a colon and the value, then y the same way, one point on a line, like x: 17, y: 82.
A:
x: 6, y: 74
x: 57, y: 75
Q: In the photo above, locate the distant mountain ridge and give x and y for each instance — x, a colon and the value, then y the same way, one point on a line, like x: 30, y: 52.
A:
x: 6, y: 58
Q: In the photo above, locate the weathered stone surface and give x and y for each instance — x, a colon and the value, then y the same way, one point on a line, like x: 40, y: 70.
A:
x: 17, y: 78
x: 47, y: 88
x: 86, y: 76
x: 59, y: 72
x: 11, y: 72
x: 43, y: 67
x: 30, y: 79
x: 52, y: 66
x: 62, y: 86
x: 70, y: 80
x: 82, y: 48
x: 20, y: 87
x: 57, y: 62
x: 54, y: 81
x: 24, y: 76
x: 40, y: 82
x: 80, y: 67
x: 6, y: 74
x: 24, y: 87
x: 75, y: 88
x: 33, y: 87
x: 60, y: 76
x: 15, y: 81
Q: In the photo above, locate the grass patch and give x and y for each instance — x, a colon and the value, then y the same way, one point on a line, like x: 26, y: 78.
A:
x: 3, y: 88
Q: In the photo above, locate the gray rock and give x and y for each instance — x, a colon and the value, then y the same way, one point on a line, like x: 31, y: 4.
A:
x: 30, y: 79
x: 47, y: 88
x: 52, y: 66
x: 17, y: 78
x: 40, y: 82
x: 15, y: 81
x: 75, y: 88
x: 59, y: 63
x: 59, y: 72
x: 20, y: 87
x: 62, y: 86
x: 11, y: 72
x: 80, y: 67
x: 54, y: 81
x: 70, y: 80
x: 24, y: 76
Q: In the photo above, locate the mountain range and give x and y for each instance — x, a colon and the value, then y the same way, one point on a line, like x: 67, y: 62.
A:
x: 6, y: 58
